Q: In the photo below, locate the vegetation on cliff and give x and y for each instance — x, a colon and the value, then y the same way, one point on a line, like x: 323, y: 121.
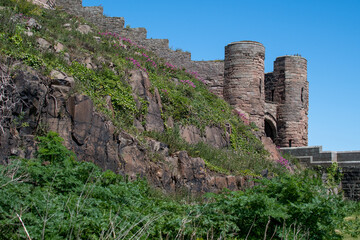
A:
x: 185, y: 99
x: 56, y: 197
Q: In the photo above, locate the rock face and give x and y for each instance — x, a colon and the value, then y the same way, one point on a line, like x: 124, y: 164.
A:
x: 190, y: 134
x: 271, y: 148
x: 140, y: 83
x: 213, y: 136
x: 48, y: 105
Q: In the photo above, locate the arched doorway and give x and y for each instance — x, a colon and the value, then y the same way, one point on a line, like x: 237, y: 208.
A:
x: 270, y: 130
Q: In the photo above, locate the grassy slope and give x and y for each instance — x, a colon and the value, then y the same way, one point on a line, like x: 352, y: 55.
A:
x: 185, y: 98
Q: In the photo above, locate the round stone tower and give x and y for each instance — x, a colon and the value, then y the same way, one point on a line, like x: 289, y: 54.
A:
x: 244, y: 79
x: 292, y: 95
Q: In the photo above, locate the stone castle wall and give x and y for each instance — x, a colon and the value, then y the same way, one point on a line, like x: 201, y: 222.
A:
x: 210, y: 71
x: 240, y: 79
x: 349, y: 162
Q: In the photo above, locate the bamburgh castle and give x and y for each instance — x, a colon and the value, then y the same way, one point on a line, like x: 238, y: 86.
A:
x: 276, y: 102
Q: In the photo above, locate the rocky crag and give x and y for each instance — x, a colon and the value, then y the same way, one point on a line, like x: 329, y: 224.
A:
x: 46, y: 103
x: 39, y: 97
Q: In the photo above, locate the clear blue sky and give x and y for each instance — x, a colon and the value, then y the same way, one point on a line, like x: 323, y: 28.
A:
x: 325, y: 32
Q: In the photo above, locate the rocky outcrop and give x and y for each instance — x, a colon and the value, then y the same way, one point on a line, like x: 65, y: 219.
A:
x: 140, y: 83
x: 46, y: 104
x: 213, y: 136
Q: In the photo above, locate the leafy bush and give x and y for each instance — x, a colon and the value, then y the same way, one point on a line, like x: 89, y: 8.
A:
x: 57, y: 197
x: 23, y: 6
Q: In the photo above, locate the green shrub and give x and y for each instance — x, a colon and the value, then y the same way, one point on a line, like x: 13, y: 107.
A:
x: 23, y: 6
x: 60, y: 198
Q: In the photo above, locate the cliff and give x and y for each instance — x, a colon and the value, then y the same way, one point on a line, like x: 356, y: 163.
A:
x: 120, y: 106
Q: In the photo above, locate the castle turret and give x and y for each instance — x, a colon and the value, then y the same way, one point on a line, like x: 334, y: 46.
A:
x: 244, y: 79
x: 292, y: 96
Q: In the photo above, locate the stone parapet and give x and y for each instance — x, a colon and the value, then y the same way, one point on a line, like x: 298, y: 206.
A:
x: 348, y: 161
x: 211, y: 72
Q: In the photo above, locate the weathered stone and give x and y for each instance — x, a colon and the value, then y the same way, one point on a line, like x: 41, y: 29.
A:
x: 67, y: 26
x: 59, y: 47
x: 265, y: 173
x: 67, y: 58
x: 84, y: 29
x: 54, y: 74
x: 134, y: 161
x: 271, y: 148
x: 52, y: 106
x: 140, y: 83
x: 89, y: 64
x: 98, y: 39
x: 231, y: 183
x: 94, y: 139
x: 63, y: 90
x: 170, y: 122
x: 220, y: 182
x: 109, y: 105
x: 60, y: 78
x: 159, y: 147
x: 158, y: 98
x: 80, y: 108
x: 214, y: 137
x: 29, y: 33
x: 190, y: 134
x: 43, y: 43
x: 191, y: 172
x: 138, y: 125
x: 33, y: 24
x: 240, y: 182
x: 292, y: 95
x: 154, y: 121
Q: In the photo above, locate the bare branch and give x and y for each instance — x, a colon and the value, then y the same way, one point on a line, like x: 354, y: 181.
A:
x: 11, y: 173
x: 22, y: 223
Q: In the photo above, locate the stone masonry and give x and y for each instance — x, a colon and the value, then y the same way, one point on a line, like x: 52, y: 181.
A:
x: 244, y: 79
x: 349, y: 163
x: 276, y: 102
x: 291, y: 90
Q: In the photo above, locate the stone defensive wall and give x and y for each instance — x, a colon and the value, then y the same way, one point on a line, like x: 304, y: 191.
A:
x: 212, y: 72
x: 348, y: 161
